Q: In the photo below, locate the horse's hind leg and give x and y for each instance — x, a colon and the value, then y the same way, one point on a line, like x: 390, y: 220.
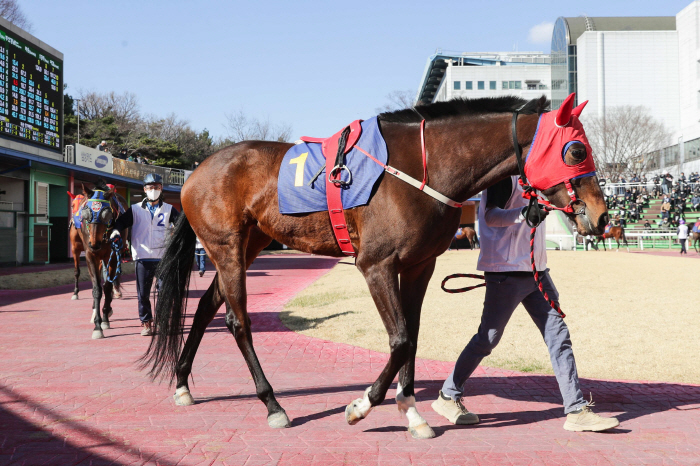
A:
x: 76, y: 272
x: 209, y: 304
x: 414, y: 283
x: 231, y: 265
x: 383, y: 283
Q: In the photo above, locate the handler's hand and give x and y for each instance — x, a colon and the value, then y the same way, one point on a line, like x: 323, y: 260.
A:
x: 534, y: 218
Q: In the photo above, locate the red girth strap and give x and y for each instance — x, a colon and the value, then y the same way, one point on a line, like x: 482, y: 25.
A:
x: 333, y: 190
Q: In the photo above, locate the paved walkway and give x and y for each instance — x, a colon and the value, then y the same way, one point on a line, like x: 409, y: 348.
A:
x: 68, y: 400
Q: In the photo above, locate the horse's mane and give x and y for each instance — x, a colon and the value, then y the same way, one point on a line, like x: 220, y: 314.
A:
x: 459, y: 106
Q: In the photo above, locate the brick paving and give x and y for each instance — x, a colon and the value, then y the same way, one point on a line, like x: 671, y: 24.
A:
x: 68, y: 400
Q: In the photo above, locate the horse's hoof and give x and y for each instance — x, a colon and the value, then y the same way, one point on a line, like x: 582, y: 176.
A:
x: 74, y: 297
x: 183, y: 397
x: 423, y: 431
x: 105, y: 326
x: 97, y: 334
x: 118, y: 295
x: 352, y: 412
x: 278, y: 420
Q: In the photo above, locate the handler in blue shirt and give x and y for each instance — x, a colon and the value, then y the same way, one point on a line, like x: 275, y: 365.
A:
x: 149, y: 221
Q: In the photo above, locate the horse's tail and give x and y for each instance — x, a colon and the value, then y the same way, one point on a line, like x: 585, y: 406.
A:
x: 174, y: 275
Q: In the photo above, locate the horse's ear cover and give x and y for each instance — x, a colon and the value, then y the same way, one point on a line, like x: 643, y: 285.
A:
x: 564, y: 112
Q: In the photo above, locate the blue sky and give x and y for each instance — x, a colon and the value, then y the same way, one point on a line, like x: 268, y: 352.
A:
x: 314, y: 65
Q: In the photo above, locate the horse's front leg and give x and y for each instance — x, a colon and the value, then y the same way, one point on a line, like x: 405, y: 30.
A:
x: 108, y: 288
x: 94, y: 271
x: 413, y: 284
x: 383, y: 281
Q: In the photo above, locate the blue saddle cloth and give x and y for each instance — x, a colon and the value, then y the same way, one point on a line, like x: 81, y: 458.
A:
x: 303, y: 161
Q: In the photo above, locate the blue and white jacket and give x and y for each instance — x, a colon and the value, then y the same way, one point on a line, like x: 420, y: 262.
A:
x: 148, y: 230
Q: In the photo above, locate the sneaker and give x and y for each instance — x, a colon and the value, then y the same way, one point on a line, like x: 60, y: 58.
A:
x: 454, y: 411
x: 146, y: 330
x: 201, y: 273
x: 585, y: 420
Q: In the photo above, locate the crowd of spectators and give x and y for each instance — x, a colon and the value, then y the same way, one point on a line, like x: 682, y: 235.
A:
x: 678, y: 197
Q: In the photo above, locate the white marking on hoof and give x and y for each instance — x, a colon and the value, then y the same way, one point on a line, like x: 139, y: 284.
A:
x: 94, y: 314
x: 183, y: 397
x: 278, y: 420
x: 97, y: 334
x: 417, y: 426
x: 74, y: 297
x: 105, y: 325
x: 358, y: 409
x: 118, y: 295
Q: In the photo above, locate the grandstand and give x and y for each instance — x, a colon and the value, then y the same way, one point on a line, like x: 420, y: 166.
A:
x: 660, y: 235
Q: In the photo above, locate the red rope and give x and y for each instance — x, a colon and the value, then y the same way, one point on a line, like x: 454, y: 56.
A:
x: 538, y: 280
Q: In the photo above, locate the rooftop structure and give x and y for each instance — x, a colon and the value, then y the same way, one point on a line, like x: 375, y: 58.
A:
x: 438, y: 63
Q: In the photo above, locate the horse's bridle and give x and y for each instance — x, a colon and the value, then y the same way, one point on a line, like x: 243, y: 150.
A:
x: 530, y: 192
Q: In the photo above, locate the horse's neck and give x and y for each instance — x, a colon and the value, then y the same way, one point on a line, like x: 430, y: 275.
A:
x: 470, y: 155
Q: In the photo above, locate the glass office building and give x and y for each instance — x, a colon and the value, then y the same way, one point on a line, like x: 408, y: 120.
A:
x: 568, y: 30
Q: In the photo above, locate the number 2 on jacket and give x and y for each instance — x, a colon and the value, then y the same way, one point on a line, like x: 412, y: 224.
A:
x: 161, y: 216
x: 299, y: 175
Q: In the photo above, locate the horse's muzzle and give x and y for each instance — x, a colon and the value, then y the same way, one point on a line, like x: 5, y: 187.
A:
x: 95, y: 247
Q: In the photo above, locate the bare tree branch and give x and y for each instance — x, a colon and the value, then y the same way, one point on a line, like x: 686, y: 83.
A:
x: 240, y: 127
x: 623, y: 138
x: 10, y: 10
x: 398, y: 100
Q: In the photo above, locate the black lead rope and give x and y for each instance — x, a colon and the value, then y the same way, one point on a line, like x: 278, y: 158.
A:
x: 461, y: 275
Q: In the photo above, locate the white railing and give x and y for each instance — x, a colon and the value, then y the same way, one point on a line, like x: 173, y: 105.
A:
x: 637, y: 238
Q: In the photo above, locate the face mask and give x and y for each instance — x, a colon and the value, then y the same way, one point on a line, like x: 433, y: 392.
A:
x: 153, y: 194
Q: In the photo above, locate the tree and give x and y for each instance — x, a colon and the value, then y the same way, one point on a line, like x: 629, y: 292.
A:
x: 622, y: 139
x: 398, y: 100
x: 10, y: 10
x: 244, y: 128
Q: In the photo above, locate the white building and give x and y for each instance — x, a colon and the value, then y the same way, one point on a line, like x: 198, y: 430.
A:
x: 489, y: 74
x: 649, y: 61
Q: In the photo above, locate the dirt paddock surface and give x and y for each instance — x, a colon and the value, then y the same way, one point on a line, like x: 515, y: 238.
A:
x: 632, y: 316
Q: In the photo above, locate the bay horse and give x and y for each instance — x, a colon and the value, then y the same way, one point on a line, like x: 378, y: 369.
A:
x: 230, y: 203
x: 97, y: 219
x: 618, y: 233
x: 470, y: 234
x: 695, y: 238
x: 77, y: 246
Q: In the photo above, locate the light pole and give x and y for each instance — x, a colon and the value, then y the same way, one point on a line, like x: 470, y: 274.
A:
x: 78, y: 109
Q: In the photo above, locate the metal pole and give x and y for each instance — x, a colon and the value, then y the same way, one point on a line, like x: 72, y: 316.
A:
x: 78, y: 108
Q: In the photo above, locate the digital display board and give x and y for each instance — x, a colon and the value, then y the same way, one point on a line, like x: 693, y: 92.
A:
x: 31, y: 93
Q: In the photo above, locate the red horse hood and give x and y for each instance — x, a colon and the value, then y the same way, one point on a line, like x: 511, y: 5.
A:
x: 544, y: 164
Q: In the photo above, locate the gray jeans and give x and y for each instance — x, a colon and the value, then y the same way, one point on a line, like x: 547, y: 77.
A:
x: 503, y: 294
